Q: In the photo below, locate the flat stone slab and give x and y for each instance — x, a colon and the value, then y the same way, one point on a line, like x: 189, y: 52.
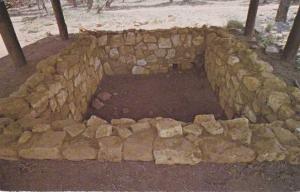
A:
x: 138, y: 147
x: 168, y: 127
x: 176, y: 150
x: 79, y: 150
x: 110, y: 149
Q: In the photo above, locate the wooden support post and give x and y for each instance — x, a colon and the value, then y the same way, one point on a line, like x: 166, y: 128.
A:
x: 250, y: 23
x: 63, y: 30
x: 293, y: 42
x: 10, y: 38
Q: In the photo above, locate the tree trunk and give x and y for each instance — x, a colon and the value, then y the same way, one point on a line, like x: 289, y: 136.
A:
x: 10, y: 38
x: 250, y: 23
x: 282, y: 11
x: 63, y: 30
x: 293, y: 42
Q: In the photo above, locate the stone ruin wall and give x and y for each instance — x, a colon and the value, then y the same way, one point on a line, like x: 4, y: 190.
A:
x: 44, y: 118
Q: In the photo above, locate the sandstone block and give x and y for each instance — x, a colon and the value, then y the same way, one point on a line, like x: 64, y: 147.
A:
x: 122, y: 121
x: 25, y: 137
x: 168, y: 127
x: 277, y: 99
x: 140, y: 126
x: 110, y: 149
x: 175, y: 151
x: 42, y: 127
x: 95, y: 121
x: 123, y: 132
x: 164, y: 43
x: 194, y: 129
x: 209, y: 123
x: 79, y: 150
x: 103, y: 130
x: 138, y: 147
x: 75, y: 129
x: 251, y: 83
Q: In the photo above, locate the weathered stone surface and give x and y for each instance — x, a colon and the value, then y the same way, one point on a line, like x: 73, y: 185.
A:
x: 269, y: 149
x: 4, y: 121
x: 103, y: 130
x: 277, y: 99
x: 140, y: 126
x: 42, y: 127
x: 8, y: 153
x: 139, y: 70
x: 141, y: 62
x: 13, y: 107
x: 75, y: 129
x: 194, y: 129
x: 116, y: 40
x: 102, y: 41
x: 209, y: 123
x: 123, y: 132
x: 238, y: 130
x: 232, y: 60
x: 292, y: 124
x: 97, y: 104
x: 122, y: 121
x: 251, y: 83
x: 164, y: 43
x: 130, y: 38
x: 110, y: 149
x: 47, y: 146
x: 95, y: 121
x: 25, y: 137
x: 149, y: 38
x: 167, y: 127
x: 198, y: 40
x: 59, y: 125
x: 294, y: 155
x: 107, y: 69
x: 217, y: 149
x: 284, y: 136
x: 13, y: 129
x: 79, y: 150
x: 138, y: 147
x: 175, y: 151
x: 114, y: 53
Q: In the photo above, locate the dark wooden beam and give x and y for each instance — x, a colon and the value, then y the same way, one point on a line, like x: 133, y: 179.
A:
x: 10, y: 38
x: 293, y: 42
x: 63, y: 30
x: 250, y: 23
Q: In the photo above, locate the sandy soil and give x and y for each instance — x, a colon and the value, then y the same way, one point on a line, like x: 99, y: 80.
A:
x: 32, y: 24
x: 175, y: 95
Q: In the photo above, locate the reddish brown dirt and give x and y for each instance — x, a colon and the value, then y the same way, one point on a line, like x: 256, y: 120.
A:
x: 179, y: 95
x: 141, y: 176
x: 11, y: 78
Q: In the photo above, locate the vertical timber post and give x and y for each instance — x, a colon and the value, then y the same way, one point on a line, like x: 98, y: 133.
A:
x: 10, y: 38
x: 250, y: 23
x: 293, y: 42
x: 62, y: 27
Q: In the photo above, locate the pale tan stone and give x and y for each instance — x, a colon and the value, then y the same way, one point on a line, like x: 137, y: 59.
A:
x: 292, y: 124
x: 25, y: 137
x: 75, y: 129
x: 123, y: 132
x: 138, y: 146
x: 42, y: 127
x: 102, y: 41
x: 110, y: 149
x: 130, y: 38
x: 122, y: 121
x: 13, y: 107
x: 103, y: 130
x: 13, y: 129
x: 59, y: 125
x: 139, y: 70
x: 194, y: 129
x: 167, y: 127
x: 176, y: 150
x: 218, y: 150
x: 269, y: 149
x: 238, y: 130
x: 209, y: 123
x: 79, y: 150
x: 140, y: 126
x: 164, y: 43
x: 116, y: 40
x: 251, y: 83
x: 285, y: 137
x: 198, y: 40
x: 8, y: 153
x: 95, y: 121
x: 107, y: 69
x: 277, y: 99
x: 149, y: 38
x: 47, y: 146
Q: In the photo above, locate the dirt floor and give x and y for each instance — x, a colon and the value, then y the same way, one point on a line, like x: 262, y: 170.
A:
x: 94, y: 175
x: 178, y: 95
x: 11, y: 78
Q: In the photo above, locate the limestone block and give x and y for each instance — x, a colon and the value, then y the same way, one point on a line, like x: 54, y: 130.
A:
x: 95, y: 121
x: 251, y: 83
x: 59, y: 125
x: 41, y: 127
x: 209, y: 123
x: 47, y: 146
x: 238, y: 130
x: 138, y: 146
x: 167, y: 127
x: 103, y: 130
x: 139, y: 70
x: 110, y: 149
x: 171, y: 54
x: 218, y: 150
x: 277, y: 99
x: 26, y: 135
x: 194, y: 129
x: 122, y: 121
x: 140, y: 126
x: 79, y: 150
x: 123, y: 132
x: 176, y: 40
x: 164, y: 43
x: 176, y: 150
x: 75, y: 129
x: 102, y: 41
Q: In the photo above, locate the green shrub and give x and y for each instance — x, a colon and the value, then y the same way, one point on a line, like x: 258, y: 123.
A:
x: 234, y: 24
